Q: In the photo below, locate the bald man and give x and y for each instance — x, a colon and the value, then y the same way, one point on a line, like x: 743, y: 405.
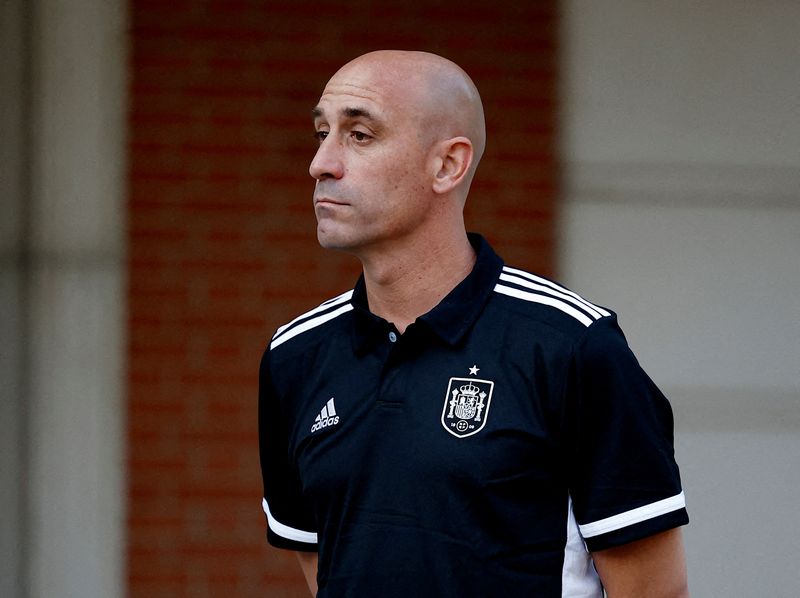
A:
x: 453, y: 426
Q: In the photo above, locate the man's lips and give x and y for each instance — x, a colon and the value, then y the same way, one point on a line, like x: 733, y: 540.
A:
x: 329, y: 201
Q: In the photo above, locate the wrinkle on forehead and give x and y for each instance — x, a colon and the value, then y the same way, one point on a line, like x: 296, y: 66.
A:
x: 356, y: 91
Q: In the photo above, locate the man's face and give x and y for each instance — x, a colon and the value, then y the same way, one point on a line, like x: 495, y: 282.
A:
x: 370, y: 167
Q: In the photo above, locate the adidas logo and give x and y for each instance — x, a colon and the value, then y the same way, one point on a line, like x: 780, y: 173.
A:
x: 327, y: 417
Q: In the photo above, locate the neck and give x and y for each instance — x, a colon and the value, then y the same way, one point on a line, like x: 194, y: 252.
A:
x: 411, y: 278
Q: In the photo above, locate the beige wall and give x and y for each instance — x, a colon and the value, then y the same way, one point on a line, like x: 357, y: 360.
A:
x: 682, y: 143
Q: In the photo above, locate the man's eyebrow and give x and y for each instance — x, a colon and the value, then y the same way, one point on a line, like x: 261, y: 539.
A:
x: 350, y: 112
x: 357, y: 112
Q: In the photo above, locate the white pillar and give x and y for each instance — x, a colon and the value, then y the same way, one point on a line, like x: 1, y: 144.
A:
x: 63, y: 297
x: 12, y: 286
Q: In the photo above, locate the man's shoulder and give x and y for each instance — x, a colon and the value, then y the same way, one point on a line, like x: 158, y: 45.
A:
x: 538, y: 299
x: 306, y: 327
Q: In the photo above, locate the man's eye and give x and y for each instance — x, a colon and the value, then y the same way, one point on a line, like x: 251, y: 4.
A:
x: 320, y: 135
x: 360, y: 136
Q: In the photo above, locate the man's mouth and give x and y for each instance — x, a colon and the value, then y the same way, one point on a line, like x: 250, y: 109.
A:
x: 329, y: 201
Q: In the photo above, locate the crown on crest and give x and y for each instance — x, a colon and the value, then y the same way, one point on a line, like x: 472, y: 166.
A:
x: 469, y: 389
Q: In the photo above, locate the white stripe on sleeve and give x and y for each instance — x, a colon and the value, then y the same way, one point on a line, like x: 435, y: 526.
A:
x: 615, y: 522
x: 285, y: 531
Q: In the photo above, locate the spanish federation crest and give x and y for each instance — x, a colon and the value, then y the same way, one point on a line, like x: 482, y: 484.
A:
x: 466, y: 406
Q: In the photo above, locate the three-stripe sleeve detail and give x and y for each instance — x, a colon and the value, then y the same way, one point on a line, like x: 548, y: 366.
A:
x: 529, y: 287
x: 327, y: 311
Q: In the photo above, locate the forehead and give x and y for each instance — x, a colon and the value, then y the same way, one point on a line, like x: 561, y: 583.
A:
x: 373, y: 89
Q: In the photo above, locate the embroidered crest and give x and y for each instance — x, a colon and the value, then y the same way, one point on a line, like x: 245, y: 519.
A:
x: 466, y: 406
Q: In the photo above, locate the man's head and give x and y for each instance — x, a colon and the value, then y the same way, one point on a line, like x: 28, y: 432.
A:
x: 401, y: 134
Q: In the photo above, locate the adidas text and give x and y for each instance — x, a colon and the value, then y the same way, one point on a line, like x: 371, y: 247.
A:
x: 330, y: 421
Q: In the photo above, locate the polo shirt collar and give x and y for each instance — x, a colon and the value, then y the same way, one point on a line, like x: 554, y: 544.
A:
x: 452, y: 318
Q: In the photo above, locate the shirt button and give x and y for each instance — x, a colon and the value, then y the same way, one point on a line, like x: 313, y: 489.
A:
x: 392, y: 337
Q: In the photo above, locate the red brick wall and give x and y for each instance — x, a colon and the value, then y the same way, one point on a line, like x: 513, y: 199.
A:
x: 223, y: 246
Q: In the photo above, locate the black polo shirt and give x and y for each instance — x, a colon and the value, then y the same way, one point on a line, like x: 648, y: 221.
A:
x: 484, y: 452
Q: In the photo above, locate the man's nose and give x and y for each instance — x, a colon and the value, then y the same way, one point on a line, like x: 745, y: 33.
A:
x: 327, y: 162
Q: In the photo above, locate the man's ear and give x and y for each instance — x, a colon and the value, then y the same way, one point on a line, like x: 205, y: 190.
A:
x: 453, y: 161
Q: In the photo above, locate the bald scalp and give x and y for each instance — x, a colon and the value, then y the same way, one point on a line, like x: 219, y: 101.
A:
x: 438, y: 93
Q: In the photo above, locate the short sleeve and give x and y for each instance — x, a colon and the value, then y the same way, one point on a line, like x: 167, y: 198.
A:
x: 290, y: 523
x: 624, y: 481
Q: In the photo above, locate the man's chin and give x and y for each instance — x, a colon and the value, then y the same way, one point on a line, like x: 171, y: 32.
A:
x: 330, y: 240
